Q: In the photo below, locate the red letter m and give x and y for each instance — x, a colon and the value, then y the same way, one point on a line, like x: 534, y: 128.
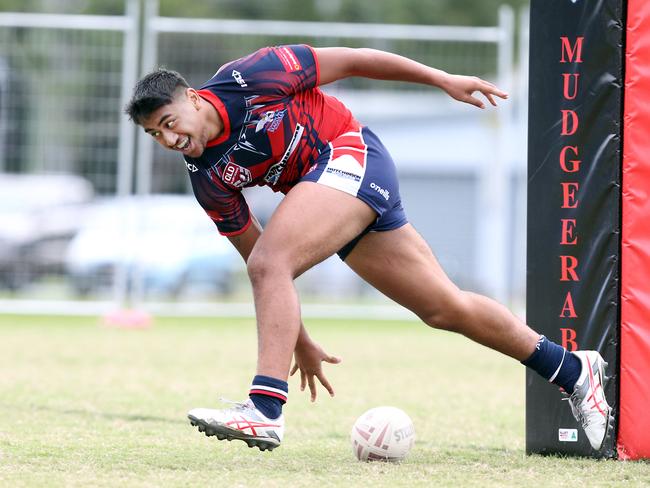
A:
x: 570, y: 50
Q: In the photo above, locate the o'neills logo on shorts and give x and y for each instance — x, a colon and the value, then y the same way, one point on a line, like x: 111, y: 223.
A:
x: 382, y: 191
x: 236, y: 175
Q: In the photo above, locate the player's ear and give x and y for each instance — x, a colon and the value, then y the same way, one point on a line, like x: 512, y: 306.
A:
x: 193, y: 97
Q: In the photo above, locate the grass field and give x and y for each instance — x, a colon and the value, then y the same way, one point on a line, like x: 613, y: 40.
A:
x: 85, y: 405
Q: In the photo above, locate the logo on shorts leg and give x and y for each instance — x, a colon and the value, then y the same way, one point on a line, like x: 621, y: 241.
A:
x: 382, y: 191
x: 343, y: 174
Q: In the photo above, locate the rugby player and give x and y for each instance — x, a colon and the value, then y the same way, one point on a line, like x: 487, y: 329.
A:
x: 263, y: 120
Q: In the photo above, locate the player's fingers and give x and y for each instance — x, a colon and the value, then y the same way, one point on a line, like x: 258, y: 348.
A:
x: 303, y: 380
x: 493, y: 90
x: 326, y: 384
x: 474, y: 101
x: 294, y: 369
x: 312, y: 388
x: 490, y: 98
x: 487, y: 87
x: 332, y: 360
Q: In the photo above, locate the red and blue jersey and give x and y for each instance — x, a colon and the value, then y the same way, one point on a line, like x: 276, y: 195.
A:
x: 276, y: 123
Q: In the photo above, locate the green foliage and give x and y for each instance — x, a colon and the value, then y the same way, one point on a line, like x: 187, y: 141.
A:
x: 438, y: 12
x: 98, y: 7
x: 432, y: 12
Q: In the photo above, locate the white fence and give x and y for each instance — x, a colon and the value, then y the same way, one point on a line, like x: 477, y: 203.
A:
x: 64, y: 80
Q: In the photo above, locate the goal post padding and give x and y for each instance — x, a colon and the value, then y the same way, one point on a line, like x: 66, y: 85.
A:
x: 574, y: 167
x: 634, y: 419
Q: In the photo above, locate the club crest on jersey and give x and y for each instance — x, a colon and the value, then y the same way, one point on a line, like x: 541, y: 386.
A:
x: 273, y: 117
x: 236, y: 175
x: 277, y: 120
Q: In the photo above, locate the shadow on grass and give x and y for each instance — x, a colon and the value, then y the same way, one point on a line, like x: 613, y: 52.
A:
x: 452, y: 449
x: 473, y: 453
x: 79, y: 412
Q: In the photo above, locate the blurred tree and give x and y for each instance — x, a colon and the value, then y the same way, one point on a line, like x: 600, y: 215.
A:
x: 99, y: 7
x: 432, y: 12
x: 438, y: 12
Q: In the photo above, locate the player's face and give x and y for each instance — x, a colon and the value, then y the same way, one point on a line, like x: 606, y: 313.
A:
x: 179, y: 125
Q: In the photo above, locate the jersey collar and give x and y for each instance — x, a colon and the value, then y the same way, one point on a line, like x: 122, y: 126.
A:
x: 221, y: 109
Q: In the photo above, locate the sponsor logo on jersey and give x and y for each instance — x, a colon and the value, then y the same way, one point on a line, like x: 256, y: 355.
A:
x: 273, y: 174
x: 191, y: 167
x: 382, y: 191
x: 236, y: 175
x: 288, y: 59
x: 238, y: 78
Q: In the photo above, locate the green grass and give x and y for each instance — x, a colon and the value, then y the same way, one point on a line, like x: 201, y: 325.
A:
x: 85, y: 405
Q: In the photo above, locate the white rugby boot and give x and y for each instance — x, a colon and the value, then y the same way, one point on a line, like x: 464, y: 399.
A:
x: 243, y: 422
x: 588, y: 402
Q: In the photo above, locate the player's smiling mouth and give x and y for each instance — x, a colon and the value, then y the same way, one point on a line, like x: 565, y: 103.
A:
x: 183, y: 145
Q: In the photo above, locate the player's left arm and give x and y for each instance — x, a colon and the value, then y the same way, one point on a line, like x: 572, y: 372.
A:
x: 336, y: 63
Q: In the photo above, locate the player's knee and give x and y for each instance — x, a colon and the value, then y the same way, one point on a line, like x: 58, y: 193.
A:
x: 258, y: 266
x: 262, y: 266
x: 449, y: 315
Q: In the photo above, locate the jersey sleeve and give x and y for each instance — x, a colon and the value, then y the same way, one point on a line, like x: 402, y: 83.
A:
x: 227, y: 208
x: 278, y: 71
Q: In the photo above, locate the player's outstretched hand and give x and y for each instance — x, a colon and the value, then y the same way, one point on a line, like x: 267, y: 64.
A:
x: 309, y: 357
x: 462, y: 88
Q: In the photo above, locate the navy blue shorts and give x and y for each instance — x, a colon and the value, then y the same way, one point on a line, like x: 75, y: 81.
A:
x: 359, y: 164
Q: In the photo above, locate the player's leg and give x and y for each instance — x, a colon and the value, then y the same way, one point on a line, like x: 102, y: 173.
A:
x: 400, y: 264
x: 310, y: 224
x: 313, y: 222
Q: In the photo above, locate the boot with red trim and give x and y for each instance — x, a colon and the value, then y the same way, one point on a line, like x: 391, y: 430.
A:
x: 242, y: 422
x: 588, y: 402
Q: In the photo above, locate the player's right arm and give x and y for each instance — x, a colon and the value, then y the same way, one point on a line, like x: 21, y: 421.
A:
x: 336, y: 63
x: 245, y: 241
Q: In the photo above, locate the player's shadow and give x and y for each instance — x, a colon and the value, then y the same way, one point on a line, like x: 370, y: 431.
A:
x: 78, y: 412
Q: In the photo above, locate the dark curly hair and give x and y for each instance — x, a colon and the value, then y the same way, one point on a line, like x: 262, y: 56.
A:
x: 155, y: 90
